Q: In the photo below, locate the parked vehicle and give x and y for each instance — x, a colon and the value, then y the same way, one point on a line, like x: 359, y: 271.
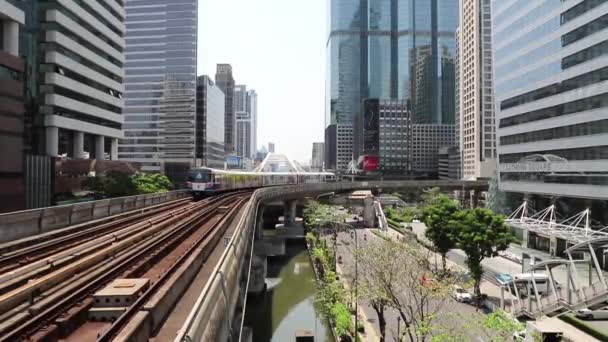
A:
x: 460, y: 295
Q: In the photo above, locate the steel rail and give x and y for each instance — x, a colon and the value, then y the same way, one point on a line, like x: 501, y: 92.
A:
x: 122, y: 321
x: 51, y: 307
x: 37, y: 250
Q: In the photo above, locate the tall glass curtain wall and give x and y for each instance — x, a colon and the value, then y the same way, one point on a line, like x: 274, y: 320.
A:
x: 160, y: 83
x: 551, y: 63
x: 391, y: 49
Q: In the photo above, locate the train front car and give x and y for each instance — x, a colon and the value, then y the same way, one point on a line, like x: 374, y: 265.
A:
x: 201, y: 182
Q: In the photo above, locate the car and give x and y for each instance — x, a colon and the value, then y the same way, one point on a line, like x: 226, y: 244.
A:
x: 460, y: 295
x: 592, y: 314
x: 519, y: 336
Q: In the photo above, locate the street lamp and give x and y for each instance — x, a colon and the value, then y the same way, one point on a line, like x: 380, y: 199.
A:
x: 352, y: 230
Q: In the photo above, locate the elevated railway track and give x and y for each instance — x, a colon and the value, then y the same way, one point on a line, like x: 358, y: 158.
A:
x: 56, y: 286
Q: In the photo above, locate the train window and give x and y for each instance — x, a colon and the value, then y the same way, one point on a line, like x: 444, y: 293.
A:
x: 199, y: 176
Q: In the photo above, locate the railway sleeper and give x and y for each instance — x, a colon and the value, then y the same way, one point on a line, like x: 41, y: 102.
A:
x: 157, y: 308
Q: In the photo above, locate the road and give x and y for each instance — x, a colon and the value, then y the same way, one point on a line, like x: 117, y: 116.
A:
x: 461, y: 311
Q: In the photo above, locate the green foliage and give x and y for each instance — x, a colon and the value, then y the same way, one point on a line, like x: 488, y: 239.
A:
x: 315, y: 212
x: 151, y: 183
x: 480, y: 234
x: 401, y: 215
x: 437, y: 216
x: 431, y: 196
x: 342, y: 319
x: 118, y: 184
x: 502, y: 325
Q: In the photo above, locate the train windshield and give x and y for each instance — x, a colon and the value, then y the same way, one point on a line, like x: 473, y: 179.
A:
x: 199, y: 176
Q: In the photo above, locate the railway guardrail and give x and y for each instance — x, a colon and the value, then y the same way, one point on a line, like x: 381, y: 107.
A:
x: 22, y: 224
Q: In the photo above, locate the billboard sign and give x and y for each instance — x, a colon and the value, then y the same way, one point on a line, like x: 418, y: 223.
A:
x: 371, y: 126
x: 234, y: 161
x: 369, y: 163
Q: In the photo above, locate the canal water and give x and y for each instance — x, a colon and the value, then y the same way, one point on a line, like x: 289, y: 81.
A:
x: 288, y: 304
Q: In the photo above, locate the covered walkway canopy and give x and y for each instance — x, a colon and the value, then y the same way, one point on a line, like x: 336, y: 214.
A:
x: 575, y: 229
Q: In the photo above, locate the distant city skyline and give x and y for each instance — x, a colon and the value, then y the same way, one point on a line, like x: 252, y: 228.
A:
x: 290, y: 80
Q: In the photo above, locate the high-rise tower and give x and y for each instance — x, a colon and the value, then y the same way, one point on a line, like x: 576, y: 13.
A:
x: 390, y: 50
x: 225, y: 80
x: 160, y: 86
x: 476, y: 125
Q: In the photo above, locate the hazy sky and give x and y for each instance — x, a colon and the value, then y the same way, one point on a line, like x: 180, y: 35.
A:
x: 276, y: 47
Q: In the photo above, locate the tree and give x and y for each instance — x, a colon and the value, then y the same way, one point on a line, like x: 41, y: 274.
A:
x: 480, y: 234
x: 499, y: 326
x: 399, y: 275
x: 438, y: 216
x: 147, y: 183
x: 369, y: 289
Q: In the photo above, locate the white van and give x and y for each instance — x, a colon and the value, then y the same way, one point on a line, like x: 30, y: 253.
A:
x: 541, y: 279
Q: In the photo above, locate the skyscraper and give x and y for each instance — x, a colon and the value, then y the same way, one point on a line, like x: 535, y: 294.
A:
x: 160, y: 86
x: 551, y: 64
x: 225, y: 80
x: 246, y: 108
x: 318, y: 152
x: 476, y: 125
x: 209, y: 123
x: 390, y: 50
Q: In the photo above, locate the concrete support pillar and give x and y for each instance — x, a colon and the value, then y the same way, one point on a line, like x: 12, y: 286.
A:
x: 525, y: 236
x: 289, y: 213
x: 78, y: 145
x: 10, y: 39
x: 99, y: 147
x: 369, y: 215
x: 114, y: 149
x: 52, y: 141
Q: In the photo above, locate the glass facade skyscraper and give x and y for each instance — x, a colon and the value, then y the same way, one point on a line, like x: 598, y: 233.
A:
x: 210, y: 110
x: 551, y: 67
x: 387, y: 49
x: 160, y: 85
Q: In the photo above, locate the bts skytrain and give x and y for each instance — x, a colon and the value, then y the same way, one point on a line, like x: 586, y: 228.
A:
x: 204, y: 181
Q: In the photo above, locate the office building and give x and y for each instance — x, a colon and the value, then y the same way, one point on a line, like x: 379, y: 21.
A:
x: 427, y: 140
x: 271, y: 147
x: 160, y: 86
x: 74, y: 53
x: 395, y: 134
x: 225, y: 80
x: 389, y: 50
x: 318, y: 152
x: 551, y: 64
x: 246, y: 107
x: 475, y: 123
x: 210, y: 106
x: 449, y: 163
x: 12, y: 110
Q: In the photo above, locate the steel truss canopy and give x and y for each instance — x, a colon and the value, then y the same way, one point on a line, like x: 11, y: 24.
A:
x: 575, y: 229
x: 275, y: 162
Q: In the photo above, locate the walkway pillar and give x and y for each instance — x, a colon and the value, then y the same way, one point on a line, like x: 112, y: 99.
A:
x: 52, y: 141
x: 369, y: 215
x: 78, y: 145
x: 11, y: 37
x: 289, y: 213
x: 99, y: 147
x: 114, y: 149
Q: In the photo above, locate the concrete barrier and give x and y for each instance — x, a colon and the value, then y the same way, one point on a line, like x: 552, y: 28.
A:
x: 22, y: 224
